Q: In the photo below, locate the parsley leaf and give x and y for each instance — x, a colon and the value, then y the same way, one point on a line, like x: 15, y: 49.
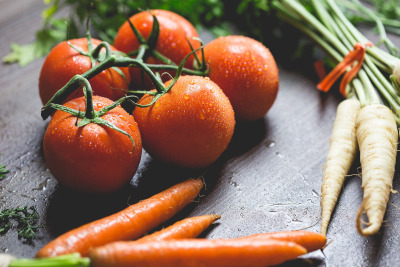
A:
x: 26, y: 219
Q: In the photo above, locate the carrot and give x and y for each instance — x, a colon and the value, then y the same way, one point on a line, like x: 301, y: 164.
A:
x: 196, y: 253
x: 309, y: 240
x: 377, y: 137
x: 186, y: 228
x: 130, y: 223
x: 342, y: 151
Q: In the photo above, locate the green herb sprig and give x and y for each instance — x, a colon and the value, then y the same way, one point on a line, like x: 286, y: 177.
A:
x: 3, y: 171
x: 26, y: 222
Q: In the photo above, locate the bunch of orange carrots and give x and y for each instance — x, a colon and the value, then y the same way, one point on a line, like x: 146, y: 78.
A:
x: 120, y: 239
x: 367, y: 120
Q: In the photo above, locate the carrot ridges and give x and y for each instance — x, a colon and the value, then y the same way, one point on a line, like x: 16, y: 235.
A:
x: 186, y: 228
x: 130, y: 223
x: 342, y: 151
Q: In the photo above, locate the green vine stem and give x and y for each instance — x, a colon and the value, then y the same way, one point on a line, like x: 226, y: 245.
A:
x: 147, y: 48
x: 110, y: 60
x: 75, y: 82
x: 90, y: 115
x: 116, y: 60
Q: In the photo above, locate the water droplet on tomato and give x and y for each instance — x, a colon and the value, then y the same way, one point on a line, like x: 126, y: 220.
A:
x: 122, y: 117
x: 157, y: 104
x: 192, y: 82
x: 99, y: 105
x: 186, y: 97
x: 202, y: 115
x: 132, y: 127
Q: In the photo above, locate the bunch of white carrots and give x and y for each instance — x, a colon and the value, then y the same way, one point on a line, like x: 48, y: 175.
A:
x: 367, y: 121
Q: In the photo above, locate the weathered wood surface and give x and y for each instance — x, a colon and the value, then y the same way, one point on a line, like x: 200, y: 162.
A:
x: 269, y: 179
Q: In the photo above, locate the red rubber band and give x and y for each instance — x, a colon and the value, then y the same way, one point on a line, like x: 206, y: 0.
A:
x: 357, y: 54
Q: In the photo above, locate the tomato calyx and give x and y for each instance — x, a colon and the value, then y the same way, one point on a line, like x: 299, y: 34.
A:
x: 147, y: 48
x: 160, y: 88
x: 90, y: 115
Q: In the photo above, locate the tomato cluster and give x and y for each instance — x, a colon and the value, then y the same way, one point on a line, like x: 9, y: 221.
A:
x: 187, y: 120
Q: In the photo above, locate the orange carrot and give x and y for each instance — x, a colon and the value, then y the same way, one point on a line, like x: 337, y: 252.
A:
x: 130, y: 223
x: 196, y: 253
x: 186, y: 228
x: 309, y: 240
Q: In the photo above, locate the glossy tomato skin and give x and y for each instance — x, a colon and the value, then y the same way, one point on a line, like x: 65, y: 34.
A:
x: 92, y: 158
x: 63, y: 62
x: 190, y: 126
x: 247, y: 73
x: 175, y: 33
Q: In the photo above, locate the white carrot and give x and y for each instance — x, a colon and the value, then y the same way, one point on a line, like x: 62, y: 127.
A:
x: 377, y: 137
x: 341, y: 154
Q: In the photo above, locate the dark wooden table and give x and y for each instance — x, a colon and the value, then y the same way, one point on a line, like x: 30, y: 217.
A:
x: 269, y: 179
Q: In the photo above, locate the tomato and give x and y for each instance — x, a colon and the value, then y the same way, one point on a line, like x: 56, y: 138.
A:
x: 92, y: 158
x: 190, y: 126
x: 175, y: 33
x: 63, y: 62
x: 247, y: 73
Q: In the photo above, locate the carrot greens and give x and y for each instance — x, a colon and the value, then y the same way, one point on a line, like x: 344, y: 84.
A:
x: 3, y: 171
x: 68, y: 260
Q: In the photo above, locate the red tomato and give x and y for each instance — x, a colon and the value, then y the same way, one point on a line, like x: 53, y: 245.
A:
x: 190, y: 126
x: 247, y: 73
x: 175, y: 33
x: 63, y: 62
x: 92, y: 158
